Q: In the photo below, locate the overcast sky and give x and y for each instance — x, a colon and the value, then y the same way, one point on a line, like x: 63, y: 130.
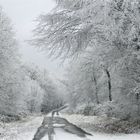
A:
x: 22, y: 14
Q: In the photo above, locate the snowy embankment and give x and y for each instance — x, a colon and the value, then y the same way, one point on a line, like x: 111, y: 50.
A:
x: 25, y: 129
x: 105, y: 124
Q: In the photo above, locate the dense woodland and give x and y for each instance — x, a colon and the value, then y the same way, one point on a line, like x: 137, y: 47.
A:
x: 99, y: 39
x: 24, y: 88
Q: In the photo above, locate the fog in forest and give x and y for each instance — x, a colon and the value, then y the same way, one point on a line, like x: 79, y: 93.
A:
x: 77, y: 57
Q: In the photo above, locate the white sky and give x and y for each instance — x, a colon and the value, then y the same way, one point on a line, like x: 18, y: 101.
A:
x: 22, y: 14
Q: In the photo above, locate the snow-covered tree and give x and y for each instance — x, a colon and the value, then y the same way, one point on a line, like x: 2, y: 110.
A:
x: 42, y: 94
x: 109, y: 31
x: 11, y: 85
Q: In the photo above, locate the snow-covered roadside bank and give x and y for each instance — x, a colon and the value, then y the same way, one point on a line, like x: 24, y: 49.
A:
x: 21, y: 130
x: 105, y: 124
x: 25, y: 130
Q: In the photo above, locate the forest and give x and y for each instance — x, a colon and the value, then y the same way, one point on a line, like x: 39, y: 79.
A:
x: 100, y: 42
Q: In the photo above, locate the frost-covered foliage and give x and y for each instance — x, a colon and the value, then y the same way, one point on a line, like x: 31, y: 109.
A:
x: 105, y: 37
x: 42, y: 94
x: 11, y: 83
x: 23, y: 88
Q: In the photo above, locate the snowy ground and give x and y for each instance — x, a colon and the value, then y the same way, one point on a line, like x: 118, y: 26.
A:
x: 25, y: 130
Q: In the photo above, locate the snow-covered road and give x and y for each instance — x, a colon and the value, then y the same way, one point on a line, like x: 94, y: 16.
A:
x: 25, y: 130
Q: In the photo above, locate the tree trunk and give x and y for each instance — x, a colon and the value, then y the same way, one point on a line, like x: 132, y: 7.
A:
x: 109, y: 84
x: 96, y: 89
x: 138, y: 103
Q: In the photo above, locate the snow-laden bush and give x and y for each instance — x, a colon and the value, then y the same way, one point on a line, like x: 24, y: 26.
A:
x: 9, y: 118
x: 122, y: 111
